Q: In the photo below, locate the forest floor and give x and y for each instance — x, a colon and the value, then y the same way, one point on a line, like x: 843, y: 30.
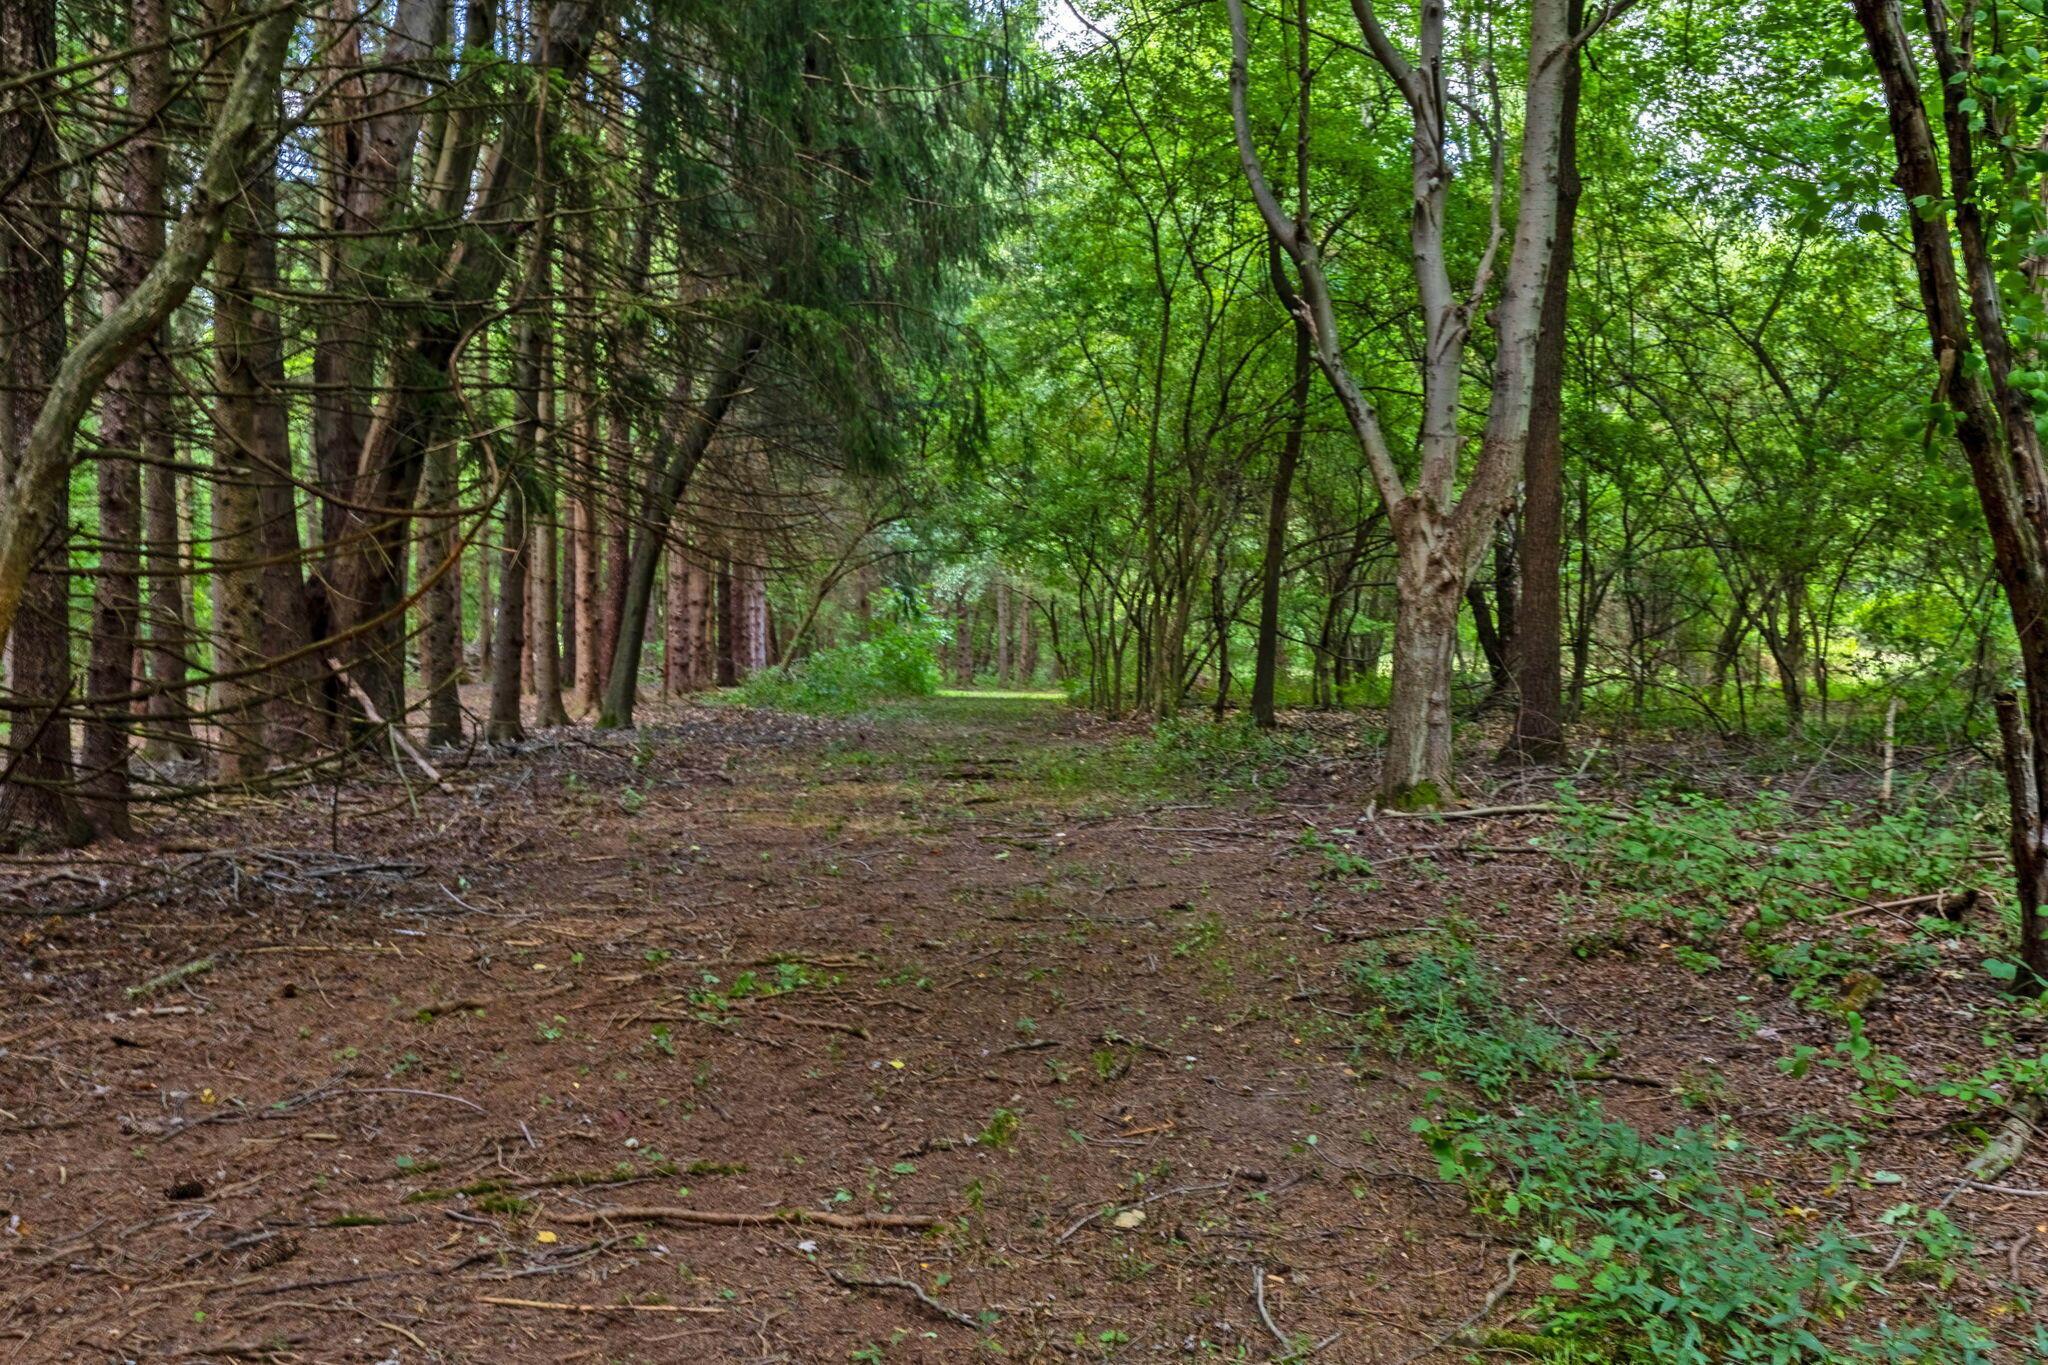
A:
x: 661, y: 1046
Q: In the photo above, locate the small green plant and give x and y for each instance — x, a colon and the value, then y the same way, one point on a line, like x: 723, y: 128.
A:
x: 1001, y: 1130
x: 1445, y: 1007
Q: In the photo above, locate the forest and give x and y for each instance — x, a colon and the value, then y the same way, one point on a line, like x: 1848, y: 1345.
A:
x: 1066, y: 680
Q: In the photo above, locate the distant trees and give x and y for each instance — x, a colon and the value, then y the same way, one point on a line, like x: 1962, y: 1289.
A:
x: 501, y: 309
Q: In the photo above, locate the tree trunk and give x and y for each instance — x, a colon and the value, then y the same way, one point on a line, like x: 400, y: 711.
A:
x: 37, y: 806
x: 294, y: 712
x: 138, y: 241
x: 1994, y: 419
x: 963, y: 641
x: 1002, y: 633
x: 699, y: 425
x: 587, y: 552
x: 1538, y: 735
x: 235, y: 550
x: 722, y: 651
x: 1416, y: 773
x: 544, y: 580
x: 1266, y: 658
x: 509, y: 639
x: 545, y: 571
x: 440, y: 575
x: 168, y: 653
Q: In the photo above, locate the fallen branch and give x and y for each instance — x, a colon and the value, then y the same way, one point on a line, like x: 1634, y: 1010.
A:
x: 1952, y: 905
x: 396, y: 731
x: 551, y: 1306
x: 666, y: 1213
x: 2021, y: 1190
x: 914, y: 1290
x: 855, y: 1030
x: 2008, y: 1143
x: 1493, y: 1298
x: 1486, y: 812
x: 183, y: 972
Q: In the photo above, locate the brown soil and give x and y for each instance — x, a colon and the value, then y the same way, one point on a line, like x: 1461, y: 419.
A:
x: 817, y: 979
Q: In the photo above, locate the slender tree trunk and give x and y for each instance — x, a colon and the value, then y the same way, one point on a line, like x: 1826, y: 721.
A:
x: 963, y: 641
x: 588, y: 552
x: 1002, y: 633
x: 545, y: 572
x: 1266, y: 656
x: 486, y: 614
x: 236, y: 549
x: 700, y: 425
x: 722, y: 656
x: 545, y: 642
x: 1538, y: 735
x: 37, y: 806
x: 509, y: 639
x: 124, y: 413
x: 168, y: 654
x: 440, y: 574
x: 1994, y: 418
x: 294, y: 714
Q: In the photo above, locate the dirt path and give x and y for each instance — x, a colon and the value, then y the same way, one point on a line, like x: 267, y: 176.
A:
x: 952, y: 964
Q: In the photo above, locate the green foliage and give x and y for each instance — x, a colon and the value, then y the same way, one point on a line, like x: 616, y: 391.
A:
x: 1226, y: 755
x: 1704, y: 867
x: 1444, y: 1006
x: 897, y: 659
x: 1658, y: 1256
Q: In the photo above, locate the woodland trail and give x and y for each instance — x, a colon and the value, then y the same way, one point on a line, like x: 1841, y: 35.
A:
x: 949, y: 962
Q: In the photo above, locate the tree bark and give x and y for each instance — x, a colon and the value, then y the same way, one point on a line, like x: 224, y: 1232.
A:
x: 32, y: 495
x: 235, y: 551
x: 440, y: 575
x: 38, y: 805
x: 506, y: 724
x: 1994, y: 420
x: 1416, y: 773
x: 125, y: 411
x: 1538, y: 734
x: 699, y: 426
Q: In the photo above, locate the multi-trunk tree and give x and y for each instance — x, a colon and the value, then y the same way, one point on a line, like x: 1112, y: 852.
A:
x: 1441, y: 532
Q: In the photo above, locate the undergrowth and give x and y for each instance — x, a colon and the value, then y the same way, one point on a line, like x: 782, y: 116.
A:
x: 898, y: 659
x: 1805, y: 899
x: 1656, y: 1251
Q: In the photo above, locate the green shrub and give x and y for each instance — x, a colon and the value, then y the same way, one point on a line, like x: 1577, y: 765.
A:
x: 1649, y: 1246
x: 1704, y: 867
x: 897, y: 659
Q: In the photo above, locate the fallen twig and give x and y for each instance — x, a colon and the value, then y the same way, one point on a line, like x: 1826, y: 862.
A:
x: 1223, y: 1184
x: 1493, y: 1298
x: 856, y: 1030
x: 1485, y: 812
x: 909, y: 1287
x: 183, y: 972
x: 552, y: 1306
x: 665, y: 1213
